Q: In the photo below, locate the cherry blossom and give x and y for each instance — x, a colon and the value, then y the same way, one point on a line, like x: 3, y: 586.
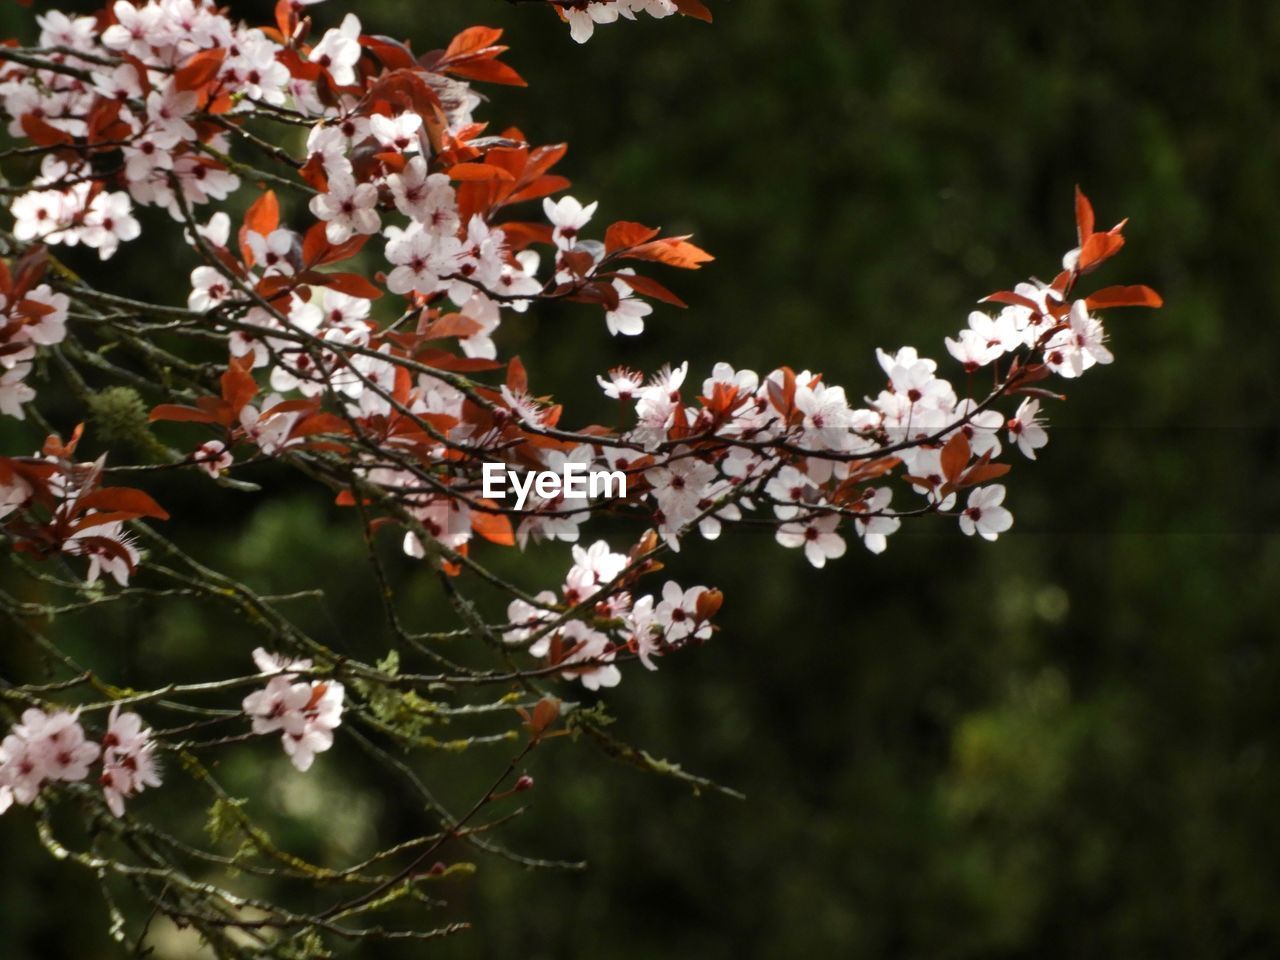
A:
x: 567, y: 217
x: 43, y: 747
x: 110, y: 550
x: 304, y: 713
x: 628, y: 317
x: 347, y: 208
x: 583, y: 18
x: 1074, y: 350
x: 677, y: 614
x: 1026, y: 429
x: 339, y: 50
x: 128, y: 760
x: 875, y: 530
x: 818, y: 537
x: 396, y: 133
x: 983, y: 514
x: 214, y: 457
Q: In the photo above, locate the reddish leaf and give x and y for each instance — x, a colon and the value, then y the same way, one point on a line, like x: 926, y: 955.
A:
x: 320, y: 423
x: 316, y: 242
x: 43, y: 134
x: 652, y: 288
x: 673, y: 251
x: 54, y: 447
x: 625, y: 234
x: 478, y: 171
x: 487, y: 71
x: 238, y: 385
x: 177, y: 413
x: 783, y: 395
x: 472, y: 40
x: 352, y: 284
x: 602, y: 292
x: 872, y: 469
x: 544, y: 714
x: 286, y: 18
x: 955, y: 456
x: 1084, y: 217
x: 32, y: 309
x: 393, y: 54
x: 450, y: 325
x: 314, y: 173
x: 982, y: 473
x: 1012, y: 299
x: 264, y: 215
x: 543, y: 186
x: 199, y: 69
x: 494, y: 527
x: 30, y: 270
x: 579, y: 262
x: 522, y: 235
x: 517, y: 378
x: 694, y: 8
x: 1133, y: 296
x: 1098, y: 248
x: 122, y: 500
x: 271, y: 286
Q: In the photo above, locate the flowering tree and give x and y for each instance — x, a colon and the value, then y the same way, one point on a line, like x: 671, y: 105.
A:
x: 348, y: 326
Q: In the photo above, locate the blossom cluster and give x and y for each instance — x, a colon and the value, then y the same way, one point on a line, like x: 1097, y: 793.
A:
x: 352, y: 326
x: 305, y: 714
x: 395, y: 158
x: 51, y: 747
x: 616, y: 624
x: 583, y: 17
x: 46, y: 748
x: 51, y: 505
x: 31, y: 315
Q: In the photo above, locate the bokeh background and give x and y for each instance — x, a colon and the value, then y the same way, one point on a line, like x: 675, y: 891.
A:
x: 1060, y: 745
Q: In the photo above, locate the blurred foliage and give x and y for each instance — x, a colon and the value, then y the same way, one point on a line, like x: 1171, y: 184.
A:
x: 1061, y: 745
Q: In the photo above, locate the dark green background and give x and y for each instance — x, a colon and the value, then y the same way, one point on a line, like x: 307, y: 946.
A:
x: 1060, y: 745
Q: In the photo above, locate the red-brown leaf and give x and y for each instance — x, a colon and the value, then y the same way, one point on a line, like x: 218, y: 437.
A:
x: 649, y: 287
x: 1132, y: 296
x: 694, y: 8
x: 472, y: 40
x: 177, y: 413
x: 478, y: 171
x: 982, y: 473
x: 238, y: 385
x: 352, y: 284
x: 494, y: 527
x: 673, y: 251
x: 517, y: 378
x: 488, y: 71
x: 1084, y: 217
x: 199, y: 69
x: 264, y: 215
x: 955, y: 456
x: 122, y: 500
x: 1098, y: 248
x: 625, y: 234
x: 43, y: 134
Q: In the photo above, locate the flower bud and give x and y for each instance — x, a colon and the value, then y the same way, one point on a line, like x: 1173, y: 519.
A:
x: 709, y: 602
